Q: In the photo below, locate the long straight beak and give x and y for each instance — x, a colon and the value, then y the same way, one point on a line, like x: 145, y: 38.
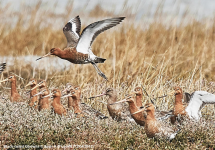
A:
x: 64, y: 90
x: 38, y: 94
x: 28, y: 84
x: 4, y: 80
x: 35, y: 87
x: 97, y: 96
x: 67, y: 89
x: 18, y: 76
x: 43, y: 56
x: 66, y: 96
x: 171, y: 93
x: 138, y: 111
x: 51, y: 94
x: 124, y: 100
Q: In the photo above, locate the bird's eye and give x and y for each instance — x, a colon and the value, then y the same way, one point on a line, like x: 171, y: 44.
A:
x: 10, y: 77
x: 55, y: 91
x: 76, y: 88
x: 138, y: 89
x: 73, y: 92
x: 32, y: 80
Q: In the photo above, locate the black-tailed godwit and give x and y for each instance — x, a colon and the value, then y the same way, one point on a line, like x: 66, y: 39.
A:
x: 78, y: 49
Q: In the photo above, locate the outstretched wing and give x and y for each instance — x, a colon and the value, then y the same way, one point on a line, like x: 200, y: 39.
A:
x: 2, y: 67
x: 72, y: 31
x: 92, y: 31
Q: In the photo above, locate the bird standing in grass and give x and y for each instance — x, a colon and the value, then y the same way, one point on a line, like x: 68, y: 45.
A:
x: 44, y: 102
x: 179, y: 109
x: 139, y: 117
x: 34, y: 100
x: 139, y: 95
x: 68, y: 88
x: 155, y: 128
x: 118, y: 111
x: 15, y: 97
x: 78, y: 49
x: 58, y: 107
x: 82, y: 109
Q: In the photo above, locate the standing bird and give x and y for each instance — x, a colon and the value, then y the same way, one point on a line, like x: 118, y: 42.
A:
x: 82, y: 108
x: 179, y: 108
x: 139, y: 95
x: 44, y: 102
x: 58, y: 107
x: 34, y: 100
x: 139, y: 117
x: 78, y: 49
x: 155, y: 128
x: 15, y: 97
x: 118, y: 111
x: 68, y: 88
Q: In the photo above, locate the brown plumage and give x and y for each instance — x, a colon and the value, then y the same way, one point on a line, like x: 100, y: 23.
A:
x: 154, y: 128
x: 58, y: 107
x: 44, y: 102
x: 80, y: 51
x: 76, y: 96
x: 68, y: 88
x: 139, y: 117
x: 15, y: 97
x: 139, y: 95
x: 82, y: 109
x: 178, y: 107
x: 118, y: 111
x: 34, y: 100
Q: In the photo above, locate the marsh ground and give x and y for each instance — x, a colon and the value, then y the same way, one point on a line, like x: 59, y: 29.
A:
x: 156, y: 56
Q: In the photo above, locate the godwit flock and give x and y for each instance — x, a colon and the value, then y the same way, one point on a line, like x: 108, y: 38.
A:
x: 155, y: 122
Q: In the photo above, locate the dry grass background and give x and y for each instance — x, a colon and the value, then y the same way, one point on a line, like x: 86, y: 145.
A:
x: 155, y: 56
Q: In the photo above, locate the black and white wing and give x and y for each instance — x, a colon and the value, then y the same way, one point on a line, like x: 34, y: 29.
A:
x: 186, y: 97
x: 92, y: 31
x: 2, y: 67
x: 72, y: 31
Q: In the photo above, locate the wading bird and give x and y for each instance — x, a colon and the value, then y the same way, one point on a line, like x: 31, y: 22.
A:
x: 34, y: 100
x: 44, y: 102
x: 118, y: 111
x: 78, y: 49
x: 58, y: 107
x: 68, y: 88
x: 139, y: 95
x: 155, y: 128
x: 15, y: 97
x: 139, y: 117
x: 82, y: 108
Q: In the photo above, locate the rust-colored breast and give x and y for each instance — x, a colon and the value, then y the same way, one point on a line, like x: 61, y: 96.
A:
x: 75, y: 57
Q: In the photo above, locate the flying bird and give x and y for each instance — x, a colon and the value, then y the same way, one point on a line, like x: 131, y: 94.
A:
x: 79, y: 49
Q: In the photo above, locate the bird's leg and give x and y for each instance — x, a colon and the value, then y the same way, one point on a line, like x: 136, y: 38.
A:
x: 99, y: 71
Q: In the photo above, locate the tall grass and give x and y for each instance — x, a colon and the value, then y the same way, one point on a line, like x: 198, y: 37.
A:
x: 154, y: 56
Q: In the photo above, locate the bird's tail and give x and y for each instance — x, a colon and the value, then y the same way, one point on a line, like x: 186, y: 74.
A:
x: 99, y: 60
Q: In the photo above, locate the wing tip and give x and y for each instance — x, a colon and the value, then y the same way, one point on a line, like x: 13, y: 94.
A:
x: 73, y: 19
